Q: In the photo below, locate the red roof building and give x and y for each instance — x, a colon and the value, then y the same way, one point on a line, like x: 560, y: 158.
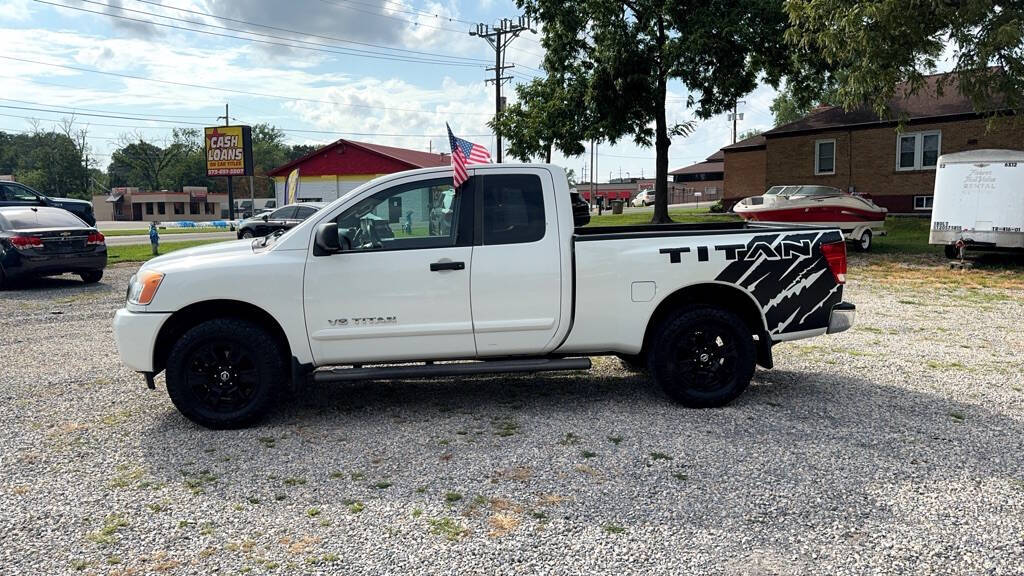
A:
x: 329, y: 172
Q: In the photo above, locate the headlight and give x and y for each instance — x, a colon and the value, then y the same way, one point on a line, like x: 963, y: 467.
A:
x: 142, y: 287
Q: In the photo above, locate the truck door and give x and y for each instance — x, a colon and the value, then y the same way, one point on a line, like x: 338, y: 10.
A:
x: 402, y: 291
x: 517, y: 271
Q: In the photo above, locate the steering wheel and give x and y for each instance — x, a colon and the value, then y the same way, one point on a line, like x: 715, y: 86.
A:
x: 366, y: 235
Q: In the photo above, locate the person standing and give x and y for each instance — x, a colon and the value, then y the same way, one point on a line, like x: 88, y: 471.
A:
x: 154, y: 238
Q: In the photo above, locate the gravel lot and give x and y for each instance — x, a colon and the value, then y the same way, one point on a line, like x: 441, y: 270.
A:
x: 894, y: 448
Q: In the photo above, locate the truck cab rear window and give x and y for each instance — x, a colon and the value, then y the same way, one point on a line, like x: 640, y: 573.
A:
x: 513, y: 209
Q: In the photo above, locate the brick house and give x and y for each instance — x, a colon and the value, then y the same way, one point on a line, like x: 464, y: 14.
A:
x: 860, y: 152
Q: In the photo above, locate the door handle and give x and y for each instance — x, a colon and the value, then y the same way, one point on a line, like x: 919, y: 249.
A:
x: 438, y: 266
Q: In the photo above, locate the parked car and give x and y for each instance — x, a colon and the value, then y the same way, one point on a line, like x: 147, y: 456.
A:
x: 510, y: 286
x: 17, y: 194
x: 45, y: 241
x: 283, y: 218
x: 580, y: 209
x: 643, y: 198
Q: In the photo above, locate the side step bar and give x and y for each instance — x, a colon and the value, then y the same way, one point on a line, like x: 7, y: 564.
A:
x: 455, y: 369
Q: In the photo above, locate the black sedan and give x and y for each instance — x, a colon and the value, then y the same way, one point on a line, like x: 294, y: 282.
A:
x: 283, y: 218
x: 17, y: 194
x: 45, y: 241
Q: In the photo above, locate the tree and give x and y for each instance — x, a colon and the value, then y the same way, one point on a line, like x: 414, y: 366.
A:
x: 786, y: 109
x: 609, y: 64
x: 749, y: 134
x: 865, y: 50
x: 50, y: 162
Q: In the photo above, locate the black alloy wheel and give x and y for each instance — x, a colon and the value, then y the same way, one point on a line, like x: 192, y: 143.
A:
x: 703, y: 357
x: 224, y: 373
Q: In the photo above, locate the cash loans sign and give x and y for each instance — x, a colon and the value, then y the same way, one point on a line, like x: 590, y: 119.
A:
x: 229, y: 151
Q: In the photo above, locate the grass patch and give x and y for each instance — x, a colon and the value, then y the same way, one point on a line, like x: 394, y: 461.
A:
x: 448, y: 528
x: 613, y: 529
x: 196, y: 482
x: 313, y: 512
x: 143, y: 252
x: 267, y: 441
x: 957, y: 416
x: 452, y: 497
x: 505, y: 427
x: 588, y: 454
x: 356, y: 507
x: 687, y: 215
x: 615, y: 440
x: 107, y: 533
x: 569, y: 439
x: 680, y: 476
x: 382, y: 485
x: 294, y: 481
x: 660, y: 456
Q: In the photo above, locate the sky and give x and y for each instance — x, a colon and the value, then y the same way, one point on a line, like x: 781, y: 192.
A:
x: 386, y: 71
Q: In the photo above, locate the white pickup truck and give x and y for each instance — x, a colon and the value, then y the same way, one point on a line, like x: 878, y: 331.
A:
x: 406, y: 276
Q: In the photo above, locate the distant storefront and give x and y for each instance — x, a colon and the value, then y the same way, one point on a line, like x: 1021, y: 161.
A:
x: 132, y: 204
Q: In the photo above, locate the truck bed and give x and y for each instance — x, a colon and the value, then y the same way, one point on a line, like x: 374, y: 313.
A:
x: 583, y: 234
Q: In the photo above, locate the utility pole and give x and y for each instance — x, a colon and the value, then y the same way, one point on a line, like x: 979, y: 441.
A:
x: 503, y: 33
x: 231, y: 192
x: 734, y: 116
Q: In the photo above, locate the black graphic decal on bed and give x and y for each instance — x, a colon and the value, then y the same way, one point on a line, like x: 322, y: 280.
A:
x: 788, y: 277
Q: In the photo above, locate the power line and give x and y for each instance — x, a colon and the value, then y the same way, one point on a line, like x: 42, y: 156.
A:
x: 73, y: 109
x: 310, y: 34
x: 198, y: 124
x: 234, y: 91
x: 342, y: 51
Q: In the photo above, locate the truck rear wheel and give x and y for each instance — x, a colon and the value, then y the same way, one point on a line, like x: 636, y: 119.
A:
x: 224, y: 373
x: 703, y: 357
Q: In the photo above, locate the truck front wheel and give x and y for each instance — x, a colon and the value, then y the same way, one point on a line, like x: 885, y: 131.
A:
x: 703, y: 357
x: 224, y: 373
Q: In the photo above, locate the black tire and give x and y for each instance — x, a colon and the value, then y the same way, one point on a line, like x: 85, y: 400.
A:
x: 693, y: 368
x: 3, y: 279
x: 863, y: 244
x: 224, y: 373
x: 246, y: 234
x: 633, y: 362
x: 92, y: 276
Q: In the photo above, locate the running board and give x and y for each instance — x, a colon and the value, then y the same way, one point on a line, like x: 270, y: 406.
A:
x: 454, y: 369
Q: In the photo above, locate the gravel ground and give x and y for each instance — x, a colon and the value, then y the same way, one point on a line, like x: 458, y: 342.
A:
x: 893, y: 448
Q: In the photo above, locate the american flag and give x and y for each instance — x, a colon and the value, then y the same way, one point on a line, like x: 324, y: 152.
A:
x: 465, y: 152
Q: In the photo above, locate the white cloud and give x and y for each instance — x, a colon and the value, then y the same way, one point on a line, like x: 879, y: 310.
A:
x: 15, y: 11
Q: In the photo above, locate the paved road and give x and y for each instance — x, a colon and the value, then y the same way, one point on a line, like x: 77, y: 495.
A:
x: 144, y: 238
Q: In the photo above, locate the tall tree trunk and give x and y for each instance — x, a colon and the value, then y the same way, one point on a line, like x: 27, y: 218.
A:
x: 661, y: 145
x: 661, y: 139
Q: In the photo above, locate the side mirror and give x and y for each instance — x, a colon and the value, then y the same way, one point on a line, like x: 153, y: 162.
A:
x: 326, y: 240
x: 265, y: 217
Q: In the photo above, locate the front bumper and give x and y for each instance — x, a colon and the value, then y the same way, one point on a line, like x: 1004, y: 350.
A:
x: 842, y: 317
x: 135, y: 336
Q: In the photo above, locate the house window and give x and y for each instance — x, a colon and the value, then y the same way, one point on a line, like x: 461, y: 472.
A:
x: 161, y: 207
x: 824, y: 157
x: 210, y: 208
x: 193, y: 207
x: 149, y: 207
x: 918, y: 150
x: 923, y: 202
x: 179, y: 207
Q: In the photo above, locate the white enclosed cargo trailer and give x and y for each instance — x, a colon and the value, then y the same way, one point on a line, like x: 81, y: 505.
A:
x: 979, y: 201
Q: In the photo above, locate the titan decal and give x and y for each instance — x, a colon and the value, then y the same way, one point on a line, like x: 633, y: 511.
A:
x: 788, y: 277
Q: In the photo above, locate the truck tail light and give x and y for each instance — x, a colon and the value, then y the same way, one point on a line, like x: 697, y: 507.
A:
x: 95, y: 239
x: 26, y: 242
x: 835, y: 255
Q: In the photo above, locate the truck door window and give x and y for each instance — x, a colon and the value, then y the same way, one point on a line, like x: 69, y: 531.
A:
x: 513, y: 209
x: 409, y: 216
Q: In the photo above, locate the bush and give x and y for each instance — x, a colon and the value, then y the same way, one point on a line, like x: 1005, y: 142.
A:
x: 717, y: 208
